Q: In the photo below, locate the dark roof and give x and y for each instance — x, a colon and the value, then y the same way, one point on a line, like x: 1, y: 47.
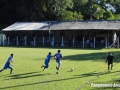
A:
x: 65, y: 25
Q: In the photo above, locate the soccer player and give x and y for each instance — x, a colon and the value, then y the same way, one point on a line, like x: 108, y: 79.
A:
x: 8, y: 64
x: 109, y: 60
x: 58, y: 56
x: 47, y: 60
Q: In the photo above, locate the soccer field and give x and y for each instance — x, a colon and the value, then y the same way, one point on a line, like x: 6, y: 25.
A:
x: 87, y: 63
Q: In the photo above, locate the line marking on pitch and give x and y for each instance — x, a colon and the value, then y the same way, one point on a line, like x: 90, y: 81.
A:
x: 91, y: 80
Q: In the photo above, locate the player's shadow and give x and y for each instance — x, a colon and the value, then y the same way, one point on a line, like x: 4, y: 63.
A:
x: 49, y: 81
x: 97, y: 73
x: 4, y: 75
x: 40, y: 82
x: 91, y: 74
x: 87, y: 74
x: 25, y: 75
x: 118, y: 80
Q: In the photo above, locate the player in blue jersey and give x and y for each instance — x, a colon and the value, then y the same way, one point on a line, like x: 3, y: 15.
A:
x: 58, y: 56
x: 47, y: 60
x: 8, y: 64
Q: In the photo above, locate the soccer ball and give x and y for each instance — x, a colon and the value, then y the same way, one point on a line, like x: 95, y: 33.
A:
x: 72, y: 69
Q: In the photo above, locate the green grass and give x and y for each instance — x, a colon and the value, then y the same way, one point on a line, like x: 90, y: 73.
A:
x: 28, y: 74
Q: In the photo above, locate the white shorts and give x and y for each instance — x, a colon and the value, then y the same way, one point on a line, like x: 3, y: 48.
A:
x: 59, y: 63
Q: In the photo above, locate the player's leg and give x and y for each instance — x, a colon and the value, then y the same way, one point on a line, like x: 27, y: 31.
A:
x: 58, y: 66
x: 42, y: 66
x: 46, y: 66
x: 111, y: 66
x: 108, y: 67
x: 5, y: 67
x: 2, y: 70
x: 11, y: 69
x: 57, y: 69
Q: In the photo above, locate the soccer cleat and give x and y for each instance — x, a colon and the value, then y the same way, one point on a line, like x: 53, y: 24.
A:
x: 56, y: 72
x: 56, y: 67
x: 44, y: 69
x: 42, y: 66
x: 11, y: 72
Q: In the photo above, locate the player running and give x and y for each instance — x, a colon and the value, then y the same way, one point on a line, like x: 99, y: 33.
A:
x: 109, y: 60
x: 58, y: 56
x: 8, y: 64
x: 47, y: 60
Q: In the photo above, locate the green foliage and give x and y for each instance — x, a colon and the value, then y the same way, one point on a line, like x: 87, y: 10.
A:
x: 98, y: 11
x: 108, y: 15
x: 44, y: 10
x: 68, y: 15
x: 117, y: 17
x: 115, y: 4
x: 77, y: 16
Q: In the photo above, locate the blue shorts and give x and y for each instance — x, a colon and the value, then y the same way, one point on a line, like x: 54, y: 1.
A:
x: 46, y: 64
x: 8, y: 66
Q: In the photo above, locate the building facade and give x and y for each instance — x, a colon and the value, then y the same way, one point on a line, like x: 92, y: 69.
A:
x: 73, y: 34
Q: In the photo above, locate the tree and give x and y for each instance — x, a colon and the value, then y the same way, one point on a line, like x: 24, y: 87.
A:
x: 69, y: 15
x: 54, y: 7
x: 30, y: 10
x: 79, y: 6
x: 116, y: 5
x: 117, y: 17
x: 108, y: 15
x: 77, y: 16
x: 98, y: 11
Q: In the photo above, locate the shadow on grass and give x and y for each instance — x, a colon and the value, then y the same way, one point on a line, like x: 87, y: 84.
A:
x: 96, y: 73
x: 17, y: 76
x: 77, y: 57
x: 93, y: 74
x: 87, y: 74
x: 4, y: 75
x: 35, y: 83
x: 100, y: 56
x: 74, y: 48
x: 118, y: 80
x: 26, y: 75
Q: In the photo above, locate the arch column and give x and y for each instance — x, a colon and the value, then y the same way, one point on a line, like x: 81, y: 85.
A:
x: 17, y: 40
x: 35, y: 41
x: 8, y: 41
x: 83, y: 42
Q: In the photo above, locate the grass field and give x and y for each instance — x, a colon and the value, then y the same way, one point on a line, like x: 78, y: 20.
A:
x: 87, y: 64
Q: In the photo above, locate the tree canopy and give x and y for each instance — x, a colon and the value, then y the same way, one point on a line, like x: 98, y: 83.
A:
x: 61, y: 10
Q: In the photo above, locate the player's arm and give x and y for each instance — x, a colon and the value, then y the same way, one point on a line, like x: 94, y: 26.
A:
x: 61, y: 56
x: 10, y: 62
x: 54, y: 56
